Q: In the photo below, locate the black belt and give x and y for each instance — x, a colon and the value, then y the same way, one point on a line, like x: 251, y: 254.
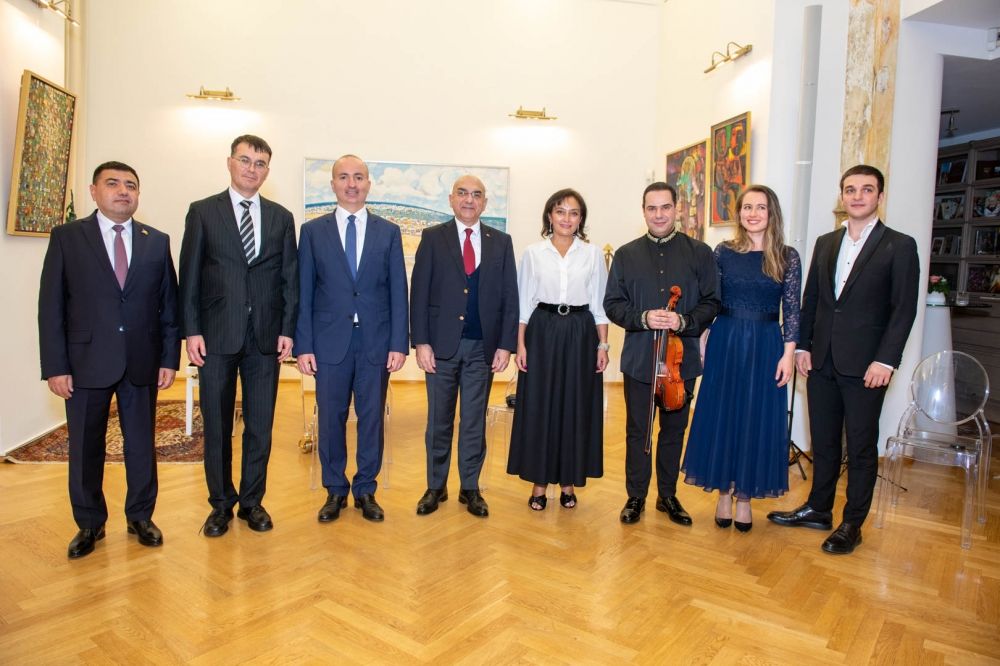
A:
x: 562, y: 308
x: 750, y: 314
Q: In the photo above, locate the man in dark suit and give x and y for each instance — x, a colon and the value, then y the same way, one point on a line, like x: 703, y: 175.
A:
x: 351, y: 332
x: 642, y: 273
x: 859, y: 304
x: 239, y: 293
x: 463, y: 321
x: 107, y: 310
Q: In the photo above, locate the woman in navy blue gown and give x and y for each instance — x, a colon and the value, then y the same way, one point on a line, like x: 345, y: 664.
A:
x: 738, y: 443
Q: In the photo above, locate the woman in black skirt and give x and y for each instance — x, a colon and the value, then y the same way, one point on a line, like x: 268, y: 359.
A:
x: 562, y: 349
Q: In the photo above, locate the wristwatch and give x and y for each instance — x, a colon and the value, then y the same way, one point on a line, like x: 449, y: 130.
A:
x: 604, y: 346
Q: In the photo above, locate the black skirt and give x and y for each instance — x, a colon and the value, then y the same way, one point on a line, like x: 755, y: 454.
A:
x: 558, y: 432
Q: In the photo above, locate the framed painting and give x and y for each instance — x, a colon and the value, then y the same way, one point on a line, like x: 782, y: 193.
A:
x: 43, y: 147
x: 686, y: 169
x: 414, y: 196
x: 730, y: 168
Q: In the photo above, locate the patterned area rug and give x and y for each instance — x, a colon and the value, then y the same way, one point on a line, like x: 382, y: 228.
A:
x: 172, y: 445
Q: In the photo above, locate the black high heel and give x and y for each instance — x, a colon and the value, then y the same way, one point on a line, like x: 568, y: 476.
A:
x: 743, y: 527
x: 724, y: 522
x: 537, y: 502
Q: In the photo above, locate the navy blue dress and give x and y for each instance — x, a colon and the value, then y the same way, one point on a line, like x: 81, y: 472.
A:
x: 739, y: 434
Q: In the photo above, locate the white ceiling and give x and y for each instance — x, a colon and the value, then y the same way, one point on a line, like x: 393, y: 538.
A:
x: 962, y: 13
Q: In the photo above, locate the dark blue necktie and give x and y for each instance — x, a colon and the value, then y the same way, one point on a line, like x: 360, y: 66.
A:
x: 351, y: 246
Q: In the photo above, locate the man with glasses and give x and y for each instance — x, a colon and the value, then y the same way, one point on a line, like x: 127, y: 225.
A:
x: 351, y: 332
x: 239, y: 295
x: 463, y: 324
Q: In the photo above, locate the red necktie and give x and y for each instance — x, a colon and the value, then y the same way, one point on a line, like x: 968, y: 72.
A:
x: 468, y: 254
x: 121, y: 259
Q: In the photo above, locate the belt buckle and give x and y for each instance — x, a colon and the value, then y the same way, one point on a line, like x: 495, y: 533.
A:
x: 562, y: 309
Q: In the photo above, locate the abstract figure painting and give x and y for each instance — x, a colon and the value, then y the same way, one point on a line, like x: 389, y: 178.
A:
x: 42, y: 151
x: 686, y: 171
x: 414, y: 196
x: 730, y: 167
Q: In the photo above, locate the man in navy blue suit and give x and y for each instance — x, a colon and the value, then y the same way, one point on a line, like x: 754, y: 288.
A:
x: 107, y: 324
x: 352, y: 331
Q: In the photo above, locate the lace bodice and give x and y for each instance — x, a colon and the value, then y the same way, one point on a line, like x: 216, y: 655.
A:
x: 745, y: 287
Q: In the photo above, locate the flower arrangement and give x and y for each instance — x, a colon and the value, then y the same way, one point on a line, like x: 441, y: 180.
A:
x: 937, y: 284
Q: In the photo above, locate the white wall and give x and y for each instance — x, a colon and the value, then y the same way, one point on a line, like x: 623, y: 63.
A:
x: 30, y: 38
x: 419, y: 82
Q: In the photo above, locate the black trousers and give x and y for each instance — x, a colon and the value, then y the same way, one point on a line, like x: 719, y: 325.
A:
x: 87, y: 422
x: 669, y: 442
x: 217, y: 398
x: 838, y: 403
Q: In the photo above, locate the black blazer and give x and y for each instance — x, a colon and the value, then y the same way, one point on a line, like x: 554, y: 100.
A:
x: 91, y: 328
x: 872, y: 318
x: 219, y: 291
x: 438, y: 294
x: 635, y: 285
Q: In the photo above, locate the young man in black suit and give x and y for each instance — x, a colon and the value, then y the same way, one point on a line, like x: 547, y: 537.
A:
x: 857, y: 310
x: 239, y: 295
x: 463, y: 324
x: 107, y: 309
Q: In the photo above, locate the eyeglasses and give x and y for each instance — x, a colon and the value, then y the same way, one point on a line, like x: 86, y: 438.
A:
x: 246, y: 162
x: 462, y: 193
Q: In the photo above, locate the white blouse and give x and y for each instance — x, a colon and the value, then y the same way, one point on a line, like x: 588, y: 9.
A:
x: 579, y: 278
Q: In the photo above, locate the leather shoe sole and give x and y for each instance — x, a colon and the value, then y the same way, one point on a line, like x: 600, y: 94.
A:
x: 145, y: 536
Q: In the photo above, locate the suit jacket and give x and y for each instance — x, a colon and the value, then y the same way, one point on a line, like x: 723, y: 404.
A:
x: 96, y: 331
x: 438, y: 295
x: 873, y: 316
x: 220, y: 291
x: 330, y: 296
x: 635, y: 284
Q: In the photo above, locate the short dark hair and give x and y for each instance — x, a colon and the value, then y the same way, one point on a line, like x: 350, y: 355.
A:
x: 254, y: 142
x: 113, y: 166
x: 556, y: 199
x: 659, y: 186
x: 864, y: 170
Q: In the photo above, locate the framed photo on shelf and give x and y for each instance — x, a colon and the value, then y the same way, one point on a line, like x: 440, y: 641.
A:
x: 951, y: 170
x: 984, y: 278
x: 952, y: 245
x: 986, y: 203
x: 937, y: 245
x: 985, y: 241
x: 949, y: 207
x: 730, y: 168
x: 43, y: 146
x: 686, y: 171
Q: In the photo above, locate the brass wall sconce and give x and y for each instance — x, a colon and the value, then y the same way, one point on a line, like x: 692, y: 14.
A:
x: 61, y: 7
x: 527, y: 114
x: 733, y: 52
x: 226, y: 95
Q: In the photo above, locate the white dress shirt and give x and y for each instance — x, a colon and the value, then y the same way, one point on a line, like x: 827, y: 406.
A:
x: 238, y: 200
x: 108, y: 236
x: 360, y: 225
x: 476, y: 238
x: 579, y: 278
x: 848, y: 255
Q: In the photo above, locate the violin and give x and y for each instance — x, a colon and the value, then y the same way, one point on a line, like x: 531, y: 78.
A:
x: 668, y: 387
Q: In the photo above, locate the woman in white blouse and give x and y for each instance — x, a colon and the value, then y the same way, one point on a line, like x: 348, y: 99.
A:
x: 562, y: 349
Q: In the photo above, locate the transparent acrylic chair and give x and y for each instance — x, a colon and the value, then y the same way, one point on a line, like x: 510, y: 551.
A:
x: 944, y: 424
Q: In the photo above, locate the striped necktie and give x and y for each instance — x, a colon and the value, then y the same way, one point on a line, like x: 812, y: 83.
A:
x: 246, y: 230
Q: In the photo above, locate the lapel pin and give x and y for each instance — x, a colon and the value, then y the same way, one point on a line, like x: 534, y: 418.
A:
x: 144, y: 232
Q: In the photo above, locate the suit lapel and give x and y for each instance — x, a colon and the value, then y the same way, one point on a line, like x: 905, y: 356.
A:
x: 227, y: 217
x: 92, y: 232
x: 372, y: 231
x: 333, y: 237
x: 454, y: 245
x: 140, y: 245
x: 266, y: 227
x: 829, y: 278
x: 871, y: 244
x: 486, y: 245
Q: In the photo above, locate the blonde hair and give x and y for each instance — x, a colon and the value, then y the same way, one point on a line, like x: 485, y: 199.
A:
x: 774, y: 234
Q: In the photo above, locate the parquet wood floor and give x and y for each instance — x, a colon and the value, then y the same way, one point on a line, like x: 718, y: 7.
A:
x: 561, y: 586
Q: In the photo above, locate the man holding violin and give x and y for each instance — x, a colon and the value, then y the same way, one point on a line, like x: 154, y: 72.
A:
x: 642, y: 275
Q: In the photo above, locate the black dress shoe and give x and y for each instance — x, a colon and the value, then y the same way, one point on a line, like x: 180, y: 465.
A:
x: 217, y: 522
x: 370, y: 509
x: 844, y: 539
x: 474, y: 502
x: 149, y: 534
x: 804, y: 516
x: 330, y: 511
x: 83, y: 543
x: 672, y: 507
x: 634, y: 506
x: 257, y: 518
x: 429, y: 502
